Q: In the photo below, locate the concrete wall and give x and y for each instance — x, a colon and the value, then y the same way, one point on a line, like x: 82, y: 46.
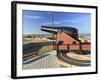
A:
x: 75, y: 47
x: 68, y: 43
x: 65, y: 38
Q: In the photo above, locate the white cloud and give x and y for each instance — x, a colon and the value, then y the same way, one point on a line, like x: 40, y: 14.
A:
x: 47, y: 23
x: 33, y: 17
x: 71, y: 21
x: 77, y: 20
x: 50, y: 23
x: 57, y: 22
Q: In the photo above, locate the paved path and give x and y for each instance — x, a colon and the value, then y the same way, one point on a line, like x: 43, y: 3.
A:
x: 35, y: 59
x: 67, y: 59
x: 46, y: 62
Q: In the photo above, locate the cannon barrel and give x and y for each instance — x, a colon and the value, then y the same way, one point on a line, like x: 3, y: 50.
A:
x: 68, y: 30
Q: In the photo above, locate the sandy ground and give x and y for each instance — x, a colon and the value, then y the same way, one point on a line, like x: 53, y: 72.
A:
x: 79, y: 56
x: 52, y: 61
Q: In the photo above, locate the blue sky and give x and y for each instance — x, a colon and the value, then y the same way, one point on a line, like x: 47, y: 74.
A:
x: 33, y: 20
